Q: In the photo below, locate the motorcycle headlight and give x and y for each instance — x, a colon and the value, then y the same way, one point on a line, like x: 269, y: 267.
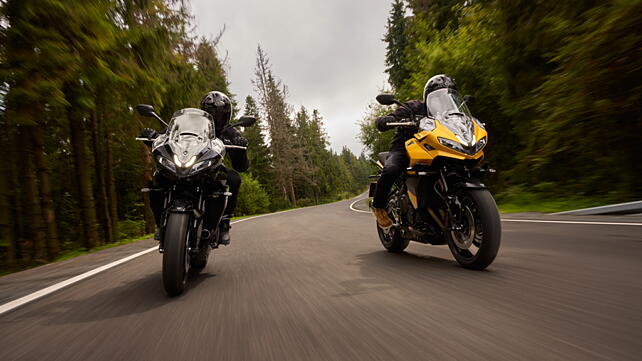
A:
x: 187, y: 164
x: 166, y: 163
x: 462, y: 148
x: 452, y: 144
x: 481, y: 144
x: 472, y: 150
x: 201, y: 165
x: 190, y: 162
x: 427, y: 124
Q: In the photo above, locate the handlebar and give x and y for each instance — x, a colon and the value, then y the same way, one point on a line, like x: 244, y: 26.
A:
x: 235, y: 147
x: 401, y: 124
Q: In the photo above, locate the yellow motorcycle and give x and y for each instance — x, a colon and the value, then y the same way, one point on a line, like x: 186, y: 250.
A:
x: 440, y: 198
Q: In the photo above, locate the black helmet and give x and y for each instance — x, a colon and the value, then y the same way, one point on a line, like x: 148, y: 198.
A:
x: 438, y: 82
x: 219, y: 106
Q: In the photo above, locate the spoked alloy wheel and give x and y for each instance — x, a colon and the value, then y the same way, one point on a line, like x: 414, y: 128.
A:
x: 391, y: 239
x: 474, y: 241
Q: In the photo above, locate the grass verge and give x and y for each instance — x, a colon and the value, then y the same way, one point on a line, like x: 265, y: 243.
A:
x: 65, y: 255
x: 540, y: 199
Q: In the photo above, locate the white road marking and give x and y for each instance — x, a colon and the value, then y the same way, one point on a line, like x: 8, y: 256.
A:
x: 572, y: 222
x: 53, y: 288
x: 537, y: 220
x: 357, y: 210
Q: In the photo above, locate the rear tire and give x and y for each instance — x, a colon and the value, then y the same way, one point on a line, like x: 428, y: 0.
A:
x: 487, y: 231
x: 175, y: 254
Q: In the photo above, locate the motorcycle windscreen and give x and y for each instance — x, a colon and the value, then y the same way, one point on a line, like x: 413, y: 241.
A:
x: 189, y: 132
x: 448, y: 107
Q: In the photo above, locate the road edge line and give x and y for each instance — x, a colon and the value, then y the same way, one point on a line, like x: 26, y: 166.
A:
x: 4, y: 308
x: 572, y: 222
x: 536, y: 220
x: 357, y: 210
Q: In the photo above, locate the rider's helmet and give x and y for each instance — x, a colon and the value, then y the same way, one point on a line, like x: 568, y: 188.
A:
x: 439, y: 82
x: 219, y: 106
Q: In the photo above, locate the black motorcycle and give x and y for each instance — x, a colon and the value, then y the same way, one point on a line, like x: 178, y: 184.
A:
x: 189, y: 158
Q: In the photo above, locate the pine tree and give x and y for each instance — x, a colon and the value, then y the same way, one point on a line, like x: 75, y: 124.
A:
x: 396, y: 42
x: 257, y: 151
x: 272, y: 98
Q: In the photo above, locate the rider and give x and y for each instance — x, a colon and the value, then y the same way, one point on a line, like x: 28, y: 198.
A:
x: 219, y: 106
x: 397, y: 160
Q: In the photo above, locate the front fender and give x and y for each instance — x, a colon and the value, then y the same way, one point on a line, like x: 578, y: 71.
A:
x: 474, y: 184
x: 471, y: 184
x: 181, y: 206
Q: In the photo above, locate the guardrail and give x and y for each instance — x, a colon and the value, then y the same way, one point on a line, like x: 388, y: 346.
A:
x: 621, y: 208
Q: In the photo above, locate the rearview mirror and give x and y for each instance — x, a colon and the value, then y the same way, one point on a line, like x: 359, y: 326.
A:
x: 145, y: 110
x: 245, y: 121
x: 386, y: 99
x: 469, y: 99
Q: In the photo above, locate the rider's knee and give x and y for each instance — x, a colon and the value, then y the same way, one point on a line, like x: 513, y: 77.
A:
x: 392, y: 170
x: 233, y: 179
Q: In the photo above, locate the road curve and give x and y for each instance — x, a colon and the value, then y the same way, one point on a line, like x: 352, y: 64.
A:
x: 315, y: 284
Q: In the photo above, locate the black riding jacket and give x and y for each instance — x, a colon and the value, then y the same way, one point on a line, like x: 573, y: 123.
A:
x: 231, y: 136
x: 398, y: 143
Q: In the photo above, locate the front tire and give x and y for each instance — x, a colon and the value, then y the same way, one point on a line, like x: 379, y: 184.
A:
x: 175, y: 263
x: 199, y: 261
x: 475, y: 246
x: 392, y: 240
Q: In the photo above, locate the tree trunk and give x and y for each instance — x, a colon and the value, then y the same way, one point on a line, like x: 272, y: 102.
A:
x: 83, y: 178
x: 102, y: 203
x: 150, y: 224
x: 44, y: 175
x: 16, y: 190
x: 111, y: 184
x: 32, y: 199
x: 292, y: 194
x: 7, y: 237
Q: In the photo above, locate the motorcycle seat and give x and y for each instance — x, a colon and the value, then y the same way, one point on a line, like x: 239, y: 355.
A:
x: 383, y: 156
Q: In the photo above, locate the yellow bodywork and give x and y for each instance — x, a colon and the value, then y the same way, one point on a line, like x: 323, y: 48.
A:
x: 424, y: 147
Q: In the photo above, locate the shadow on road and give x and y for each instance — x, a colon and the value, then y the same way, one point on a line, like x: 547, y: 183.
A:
x: 133, y: 297
x: 405, y: 261
x: 382, y: 270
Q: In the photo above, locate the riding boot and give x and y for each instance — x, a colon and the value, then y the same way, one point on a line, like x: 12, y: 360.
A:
x: 224, y: 228
x: 382, y: 217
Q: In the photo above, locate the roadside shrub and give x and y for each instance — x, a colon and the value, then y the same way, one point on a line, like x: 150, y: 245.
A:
x: 130, y: 228
x: 252, y: 197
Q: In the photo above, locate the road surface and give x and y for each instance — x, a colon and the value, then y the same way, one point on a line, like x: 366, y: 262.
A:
x: 315, y: 284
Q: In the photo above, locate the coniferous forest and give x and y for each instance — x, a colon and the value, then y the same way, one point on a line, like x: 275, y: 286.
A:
x: 71, y: 169
x: 558, y: 84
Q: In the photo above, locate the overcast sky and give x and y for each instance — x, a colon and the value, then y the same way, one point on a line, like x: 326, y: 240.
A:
x: 328, y: 52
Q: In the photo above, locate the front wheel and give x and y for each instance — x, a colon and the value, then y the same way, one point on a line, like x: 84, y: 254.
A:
x: 474, y: 241
x: 391, y: 239
x: 199, y: 261
x: 175, y: 258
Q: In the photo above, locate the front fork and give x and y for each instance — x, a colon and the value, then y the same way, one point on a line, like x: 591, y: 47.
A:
x: 454, y: 209
x: 197, y: 211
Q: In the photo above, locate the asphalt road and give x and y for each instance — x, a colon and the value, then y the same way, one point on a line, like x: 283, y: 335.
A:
x: 315, y: 284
